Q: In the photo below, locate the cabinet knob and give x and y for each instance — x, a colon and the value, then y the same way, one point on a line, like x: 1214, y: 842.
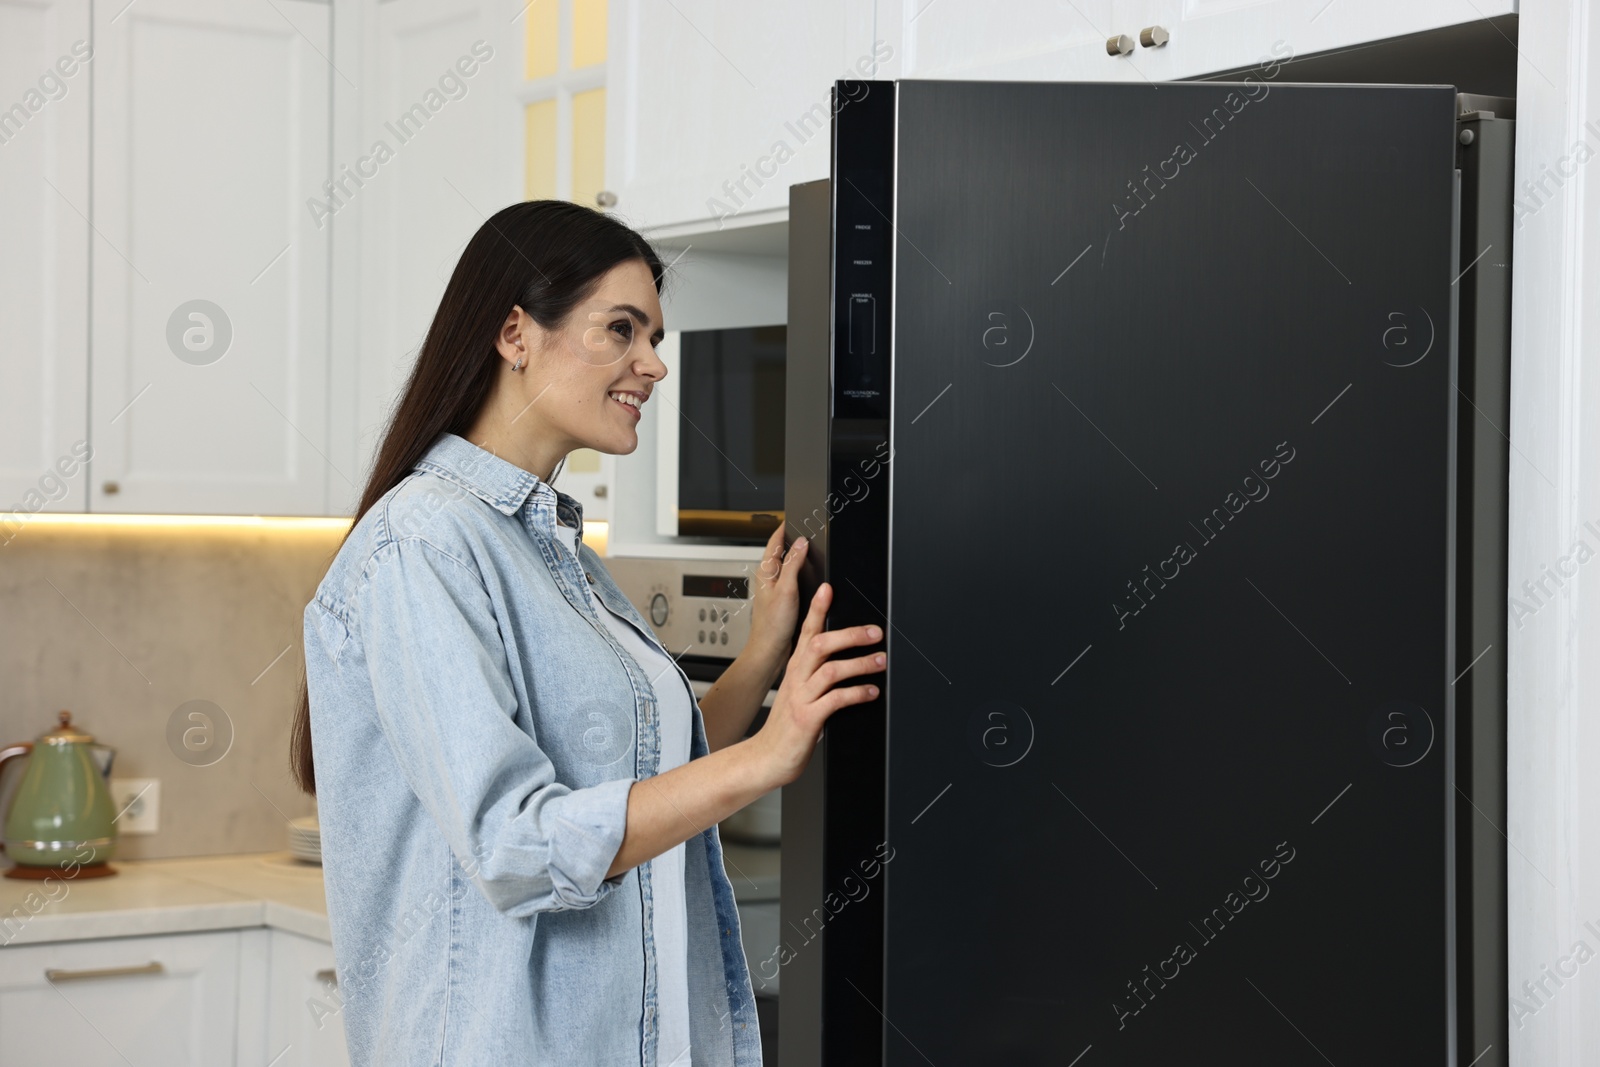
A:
x: 1120, y: 45
x: 606, y: 198
x: 1154, y: 36
x: 110, y: 488
x: 600, y: 491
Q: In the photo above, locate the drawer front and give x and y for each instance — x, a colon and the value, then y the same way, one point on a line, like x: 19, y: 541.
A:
x: 171, y: 1000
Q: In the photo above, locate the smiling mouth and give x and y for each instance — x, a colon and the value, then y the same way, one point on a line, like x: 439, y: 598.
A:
x: 633, y: 408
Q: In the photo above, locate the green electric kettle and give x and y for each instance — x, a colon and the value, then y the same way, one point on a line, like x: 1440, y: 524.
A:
x: 62, y: 812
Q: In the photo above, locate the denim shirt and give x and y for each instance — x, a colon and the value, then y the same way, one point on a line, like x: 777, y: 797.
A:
x: 476, y: 728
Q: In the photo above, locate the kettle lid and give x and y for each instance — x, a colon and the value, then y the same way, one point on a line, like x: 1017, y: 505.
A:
x: 66, y: 733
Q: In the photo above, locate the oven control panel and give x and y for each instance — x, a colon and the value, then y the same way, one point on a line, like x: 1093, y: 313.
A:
x: 699, y: 607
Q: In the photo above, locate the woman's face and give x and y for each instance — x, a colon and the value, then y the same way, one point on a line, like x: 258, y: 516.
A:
x: 573, y: 375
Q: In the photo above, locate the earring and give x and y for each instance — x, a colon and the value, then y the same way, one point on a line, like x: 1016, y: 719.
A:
x: 518, y: 364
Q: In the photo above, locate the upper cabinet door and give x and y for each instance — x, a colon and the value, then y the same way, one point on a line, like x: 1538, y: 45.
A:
x: 715, y: 112
x: 1040, y: 40
x: 437, y: 154
x: 1206, y: 36
x: 562, y: 88
x: 1143, y: 40
x: 45, y: 57
x: 210, y: 255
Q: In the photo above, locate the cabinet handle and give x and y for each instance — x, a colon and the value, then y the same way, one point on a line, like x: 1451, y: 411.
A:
x: 110, y: 488
x: 53, y: 975
x: 1154, y: 36
x: 328, y: 976
x: 1120, y: 45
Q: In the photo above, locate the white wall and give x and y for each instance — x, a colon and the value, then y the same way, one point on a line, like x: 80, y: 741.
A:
x: 1554, y: 672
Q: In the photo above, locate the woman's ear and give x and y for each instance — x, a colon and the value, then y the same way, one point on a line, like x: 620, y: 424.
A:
x: 512, y: 340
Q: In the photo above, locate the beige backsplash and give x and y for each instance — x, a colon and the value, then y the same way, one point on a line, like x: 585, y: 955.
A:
x: 123, y: 624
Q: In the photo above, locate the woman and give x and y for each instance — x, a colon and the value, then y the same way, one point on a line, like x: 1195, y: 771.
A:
x: 518, y: 794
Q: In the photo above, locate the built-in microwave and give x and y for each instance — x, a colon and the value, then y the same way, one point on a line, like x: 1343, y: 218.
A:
x: 707, y: 478
x: 719, y: 436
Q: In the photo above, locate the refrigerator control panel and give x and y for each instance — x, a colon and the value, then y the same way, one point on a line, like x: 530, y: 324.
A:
x: 863, y: 274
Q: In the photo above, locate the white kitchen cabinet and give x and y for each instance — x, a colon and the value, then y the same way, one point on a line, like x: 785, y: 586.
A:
x: 304, y: 1024
x: 714, y: 110
x: 438, y: 93
x: 712, y: 114
x: 171, y: 1000
x: 45, y: 61
x: 563, y: 92
x: 1213, y: 35
x: 973, y: 40
x: 210, y: 294
x: 1044, y: 41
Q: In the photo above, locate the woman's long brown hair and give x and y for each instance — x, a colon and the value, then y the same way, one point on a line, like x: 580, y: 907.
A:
x: 545, y: 256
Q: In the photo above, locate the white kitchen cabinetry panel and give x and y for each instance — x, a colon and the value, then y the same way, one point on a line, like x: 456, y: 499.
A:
x: 1037, y: 40
x: 159, y: 1000
x: 1213, y: 35
x: 210, y: 306
x: 44, y: 257
x: 439, y: 96
x: 714, y: 110
x: 304, y: 1024
x: 977, y: 40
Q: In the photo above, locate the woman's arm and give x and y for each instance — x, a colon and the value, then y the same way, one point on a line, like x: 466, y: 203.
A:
x: 666, y: 810
x: 443, y: 697
x: 733, y: 700
x: 732, y: 703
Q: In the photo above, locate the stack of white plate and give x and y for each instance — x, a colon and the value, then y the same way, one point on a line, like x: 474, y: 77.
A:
x: 305, y: 839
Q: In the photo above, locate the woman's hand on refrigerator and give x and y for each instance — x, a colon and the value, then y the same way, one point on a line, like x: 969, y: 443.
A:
x: 810, y: 692
x: 775, y: 603
x: 669, y: 808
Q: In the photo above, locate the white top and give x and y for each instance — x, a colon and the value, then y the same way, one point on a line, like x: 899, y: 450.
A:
x: 670, y: 919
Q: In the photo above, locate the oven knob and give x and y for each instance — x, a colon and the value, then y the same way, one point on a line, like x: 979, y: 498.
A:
x: 658, y: 609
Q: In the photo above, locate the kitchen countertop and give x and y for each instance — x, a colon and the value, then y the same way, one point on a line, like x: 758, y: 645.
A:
x: 271, y: 889
x: 150, y: 897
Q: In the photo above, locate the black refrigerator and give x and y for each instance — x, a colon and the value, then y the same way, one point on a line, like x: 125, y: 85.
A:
x: 1160, y: 426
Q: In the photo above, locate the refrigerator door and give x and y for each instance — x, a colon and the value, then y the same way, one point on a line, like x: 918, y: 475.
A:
x: 1170, y: 545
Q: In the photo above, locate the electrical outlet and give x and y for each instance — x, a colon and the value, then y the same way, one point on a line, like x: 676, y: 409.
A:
x: 138, y: 803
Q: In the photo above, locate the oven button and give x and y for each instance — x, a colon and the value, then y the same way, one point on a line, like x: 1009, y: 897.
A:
x: 658, y: 609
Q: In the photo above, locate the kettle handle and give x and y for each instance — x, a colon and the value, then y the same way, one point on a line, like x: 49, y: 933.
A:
x: 9, y: 753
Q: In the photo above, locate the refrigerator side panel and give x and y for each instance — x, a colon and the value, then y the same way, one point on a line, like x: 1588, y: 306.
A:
x: 1486, y: 224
